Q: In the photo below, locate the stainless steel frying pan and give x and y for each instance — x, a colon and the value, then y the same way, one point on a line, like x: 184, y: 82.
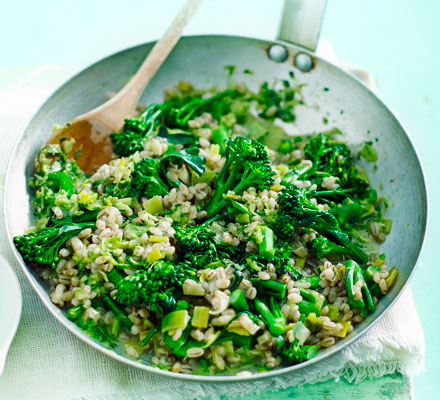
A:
x: 346, y: 103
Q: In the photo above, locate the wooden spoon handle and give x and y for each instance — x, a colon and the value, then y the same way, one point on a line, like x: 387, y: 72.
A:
x: 159, y: 52
x: 123, y: 104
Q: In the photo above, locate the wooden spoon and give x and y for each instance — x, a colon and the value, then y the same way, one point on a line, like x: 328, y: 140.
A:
x: 91, y: 131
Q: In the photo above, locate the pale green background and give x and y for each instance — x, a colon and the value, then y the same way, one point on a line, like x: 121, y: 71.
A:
x: 396, y: 40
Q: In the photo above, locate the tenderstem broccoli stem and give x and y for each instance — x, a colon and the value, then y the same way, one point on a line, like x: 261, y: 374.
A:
x: 220, y: 137
x: 313, y: 280
x: 118, y: 313
x: 185, y: 113
x: 272, y: 318
x: 353, y: 274
x: 266, y: 247
x: 349, y: 279
x: 271, y: 287
x: 75, y: 312
x: 114, y: 276
x: 238, y: 301
x: 115, y: 327
x: 346, y: 241
x: 313, y: 296
x: 349, y: 285
x: 217, y: 201
x: 307, y: 307
x: 276, y: 311
x: 150, y: 334
x: 150, y: 116
x: 365, y: 290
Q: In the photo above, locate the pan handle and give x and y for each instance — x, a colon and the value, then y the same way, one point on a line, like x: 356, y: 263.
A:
x: 301, y: 22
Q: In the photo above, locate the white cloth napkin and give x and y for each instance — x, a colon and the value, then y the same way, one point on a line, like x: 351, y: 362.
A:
x: 47, y: 362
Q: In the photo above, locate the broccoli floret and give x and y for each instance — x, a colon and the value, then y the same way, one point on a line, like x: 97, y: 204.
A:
x: 54, y: 179
x: 321, y: 246
x: 197, y: 246
x: 136, y: 131
x: 280, y: 260
x: 331, y: 158
x: 154, y: 286
x: 297, y: 210
x: 146, y: 178
x: 42, y: 246
x: 283, y: 254
x: 247, y: 165
x: 177, y: 112
x: 295, y: 353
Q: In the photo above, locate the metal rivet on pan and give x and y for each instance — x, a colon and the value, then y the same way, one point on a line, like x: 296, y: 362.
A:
x: 303, y: 62
x: 277, y: 53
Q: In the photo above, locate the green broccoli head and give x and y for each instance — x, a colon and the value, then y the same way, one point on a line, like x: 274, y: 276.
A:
x: 196, y: 244
x: 295, y: 353
x: 154, y: 285
x: 321, y: 246
x: 179, y: 111
x: 297, y: 210
x: 146, y: 179
x: 283, y: 254
x: 42, y: 246
x: 247, y: 165
x: 136, y: 131
x: 332, y: 158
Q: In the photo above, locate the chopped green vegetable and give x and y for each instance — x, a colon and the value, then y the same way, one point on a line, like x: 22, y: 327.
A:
x: 301, y: 332
x: 175, y: 320
x: 266, y: 248
x: 200, y: 317
x: 238, y: 301
x: 313, y: 323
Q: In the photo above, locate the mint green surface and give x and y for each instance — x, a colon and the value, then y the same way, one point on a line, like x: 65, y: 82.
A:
x: 397, y: 41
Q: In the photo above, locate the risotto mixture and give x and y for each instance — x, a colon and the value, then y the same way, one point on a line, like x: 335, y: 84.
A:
x: 212, y: 242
